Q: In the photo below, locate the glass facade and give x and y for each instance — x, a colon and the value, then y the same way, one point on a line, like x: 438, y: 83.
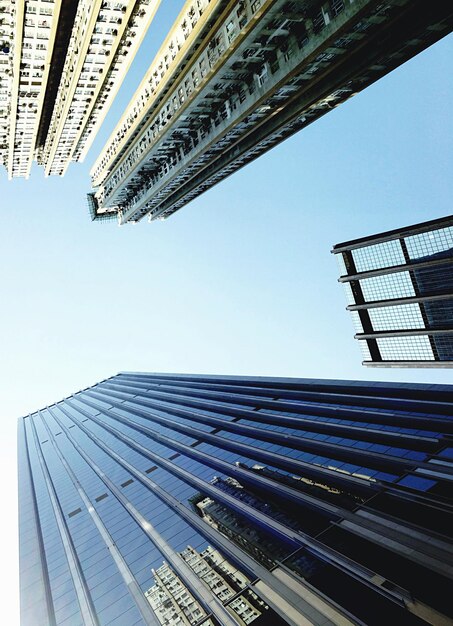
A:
x: 221, y: 501
x: 399, y: 289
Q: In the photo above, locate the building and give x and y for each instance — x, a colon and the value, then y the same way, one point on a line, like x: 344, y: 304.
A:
x: 399, y: 289
x: 231, y: 81
x: 269, y: 501
x: 61, y: 64
x: 226, y: 582
x: 173, y: 603
x: 6, y: 67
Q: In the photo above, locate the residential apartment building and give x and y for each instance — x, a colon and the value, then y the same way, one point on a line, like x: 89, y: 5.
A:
x: 399, y: 289
x: 61, y: 64
x: 6, y: 67
x: 173, y: 603
x: 27, y: 52
x: 235, y: 78
x: 223, y: 500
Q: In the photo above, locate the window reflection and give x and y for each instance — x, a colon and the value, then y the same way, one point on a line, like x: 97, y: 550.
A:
x: 174, y: 604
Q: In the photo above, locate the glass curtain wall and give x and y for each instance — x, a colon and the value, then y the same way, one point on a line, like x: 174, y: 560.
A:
x: 204, y: 500
x: 399, y: 288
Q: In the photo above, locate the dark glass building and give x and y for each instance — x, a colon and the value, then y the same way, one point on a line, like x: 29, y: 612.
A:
x: 399, y: 288
x: 154, y: 499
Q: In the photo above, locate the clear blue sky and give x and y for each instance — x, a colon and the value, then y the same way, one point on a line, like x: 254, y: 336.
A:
x: 241, y: 281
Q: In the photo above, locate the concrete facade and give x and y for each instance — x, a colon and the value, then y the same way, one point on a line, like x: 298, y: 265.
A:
x: 234, y: 79
x: 61, y: 65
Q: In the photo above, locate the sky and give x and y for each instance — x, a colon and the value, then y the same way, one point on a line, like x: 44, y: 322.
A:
x: 240, y: 281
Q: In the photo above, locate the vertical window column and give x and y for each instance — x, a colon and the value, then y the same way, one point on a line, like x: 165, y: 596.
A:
x: 417, y: 293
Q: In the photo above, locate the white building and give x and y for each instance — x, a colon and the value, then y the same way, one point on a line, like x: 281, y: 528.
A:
x: 6, y: 76
x: 220, y: 575
x: 61, y: 64
x: 174, y: 605
x: 232, y: 80
x: 171, y: 601
x: 32, y: 29
x: 99, y: 55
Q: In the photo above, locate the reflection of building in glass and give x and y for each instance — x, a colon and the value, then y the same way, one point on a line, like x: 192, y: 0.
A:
x: 222, y: 578
x: 399, y: 286
x: 236, y: 527
x: 232, y: 81
x: 231, y: 525
x: 174, y: 604
x: 269, y: 501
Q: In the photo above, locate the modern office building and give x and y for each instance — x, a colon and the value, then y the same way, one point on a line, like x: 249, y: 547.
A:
x: 234, y: 79
x: 61, y: 64
x: 399, y: 288
x: 220, y: 500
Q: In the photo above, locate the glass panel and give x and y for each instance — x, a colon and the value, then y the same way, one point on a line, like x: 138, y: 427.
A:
x: 396, y: 317
x: 448, y: 452
x: 341, y: 264
x: 426, y: 244
x: 387, y: 286
x: 415, y: 482
x: 386, y: 254
x: 356, y: 322
x: 405, y: 348
x: 348, y: 293
x: 444, y: 346
x: 435, y: 280
x: 439, y: 313
x: 366, y: 355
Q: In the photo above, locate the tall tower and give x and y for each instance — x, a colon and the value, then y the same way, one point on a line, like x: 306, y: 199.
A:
x: 61, y: 64
x: 233, y: 79
x: 230, y: 500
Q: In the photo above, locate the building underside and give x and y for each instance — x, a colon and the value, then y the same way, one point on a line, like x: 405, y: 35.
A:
x: 61, y: 65
x: 197, y: 500
x: 260, y: 73
x: 60, y: 48
x: 399, y: 288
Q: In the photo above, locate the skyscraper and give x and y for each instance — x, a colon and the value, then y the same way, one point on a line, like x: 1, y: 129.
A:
x: 61, y: 64
x: 233, y: 500
x: 399, y: 288
x: 233, y: 79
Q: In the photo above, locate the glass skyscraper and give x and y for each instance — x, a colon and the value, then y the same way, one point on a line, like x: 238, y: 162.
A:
x: 399, y: 288
x: 152, y: 499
